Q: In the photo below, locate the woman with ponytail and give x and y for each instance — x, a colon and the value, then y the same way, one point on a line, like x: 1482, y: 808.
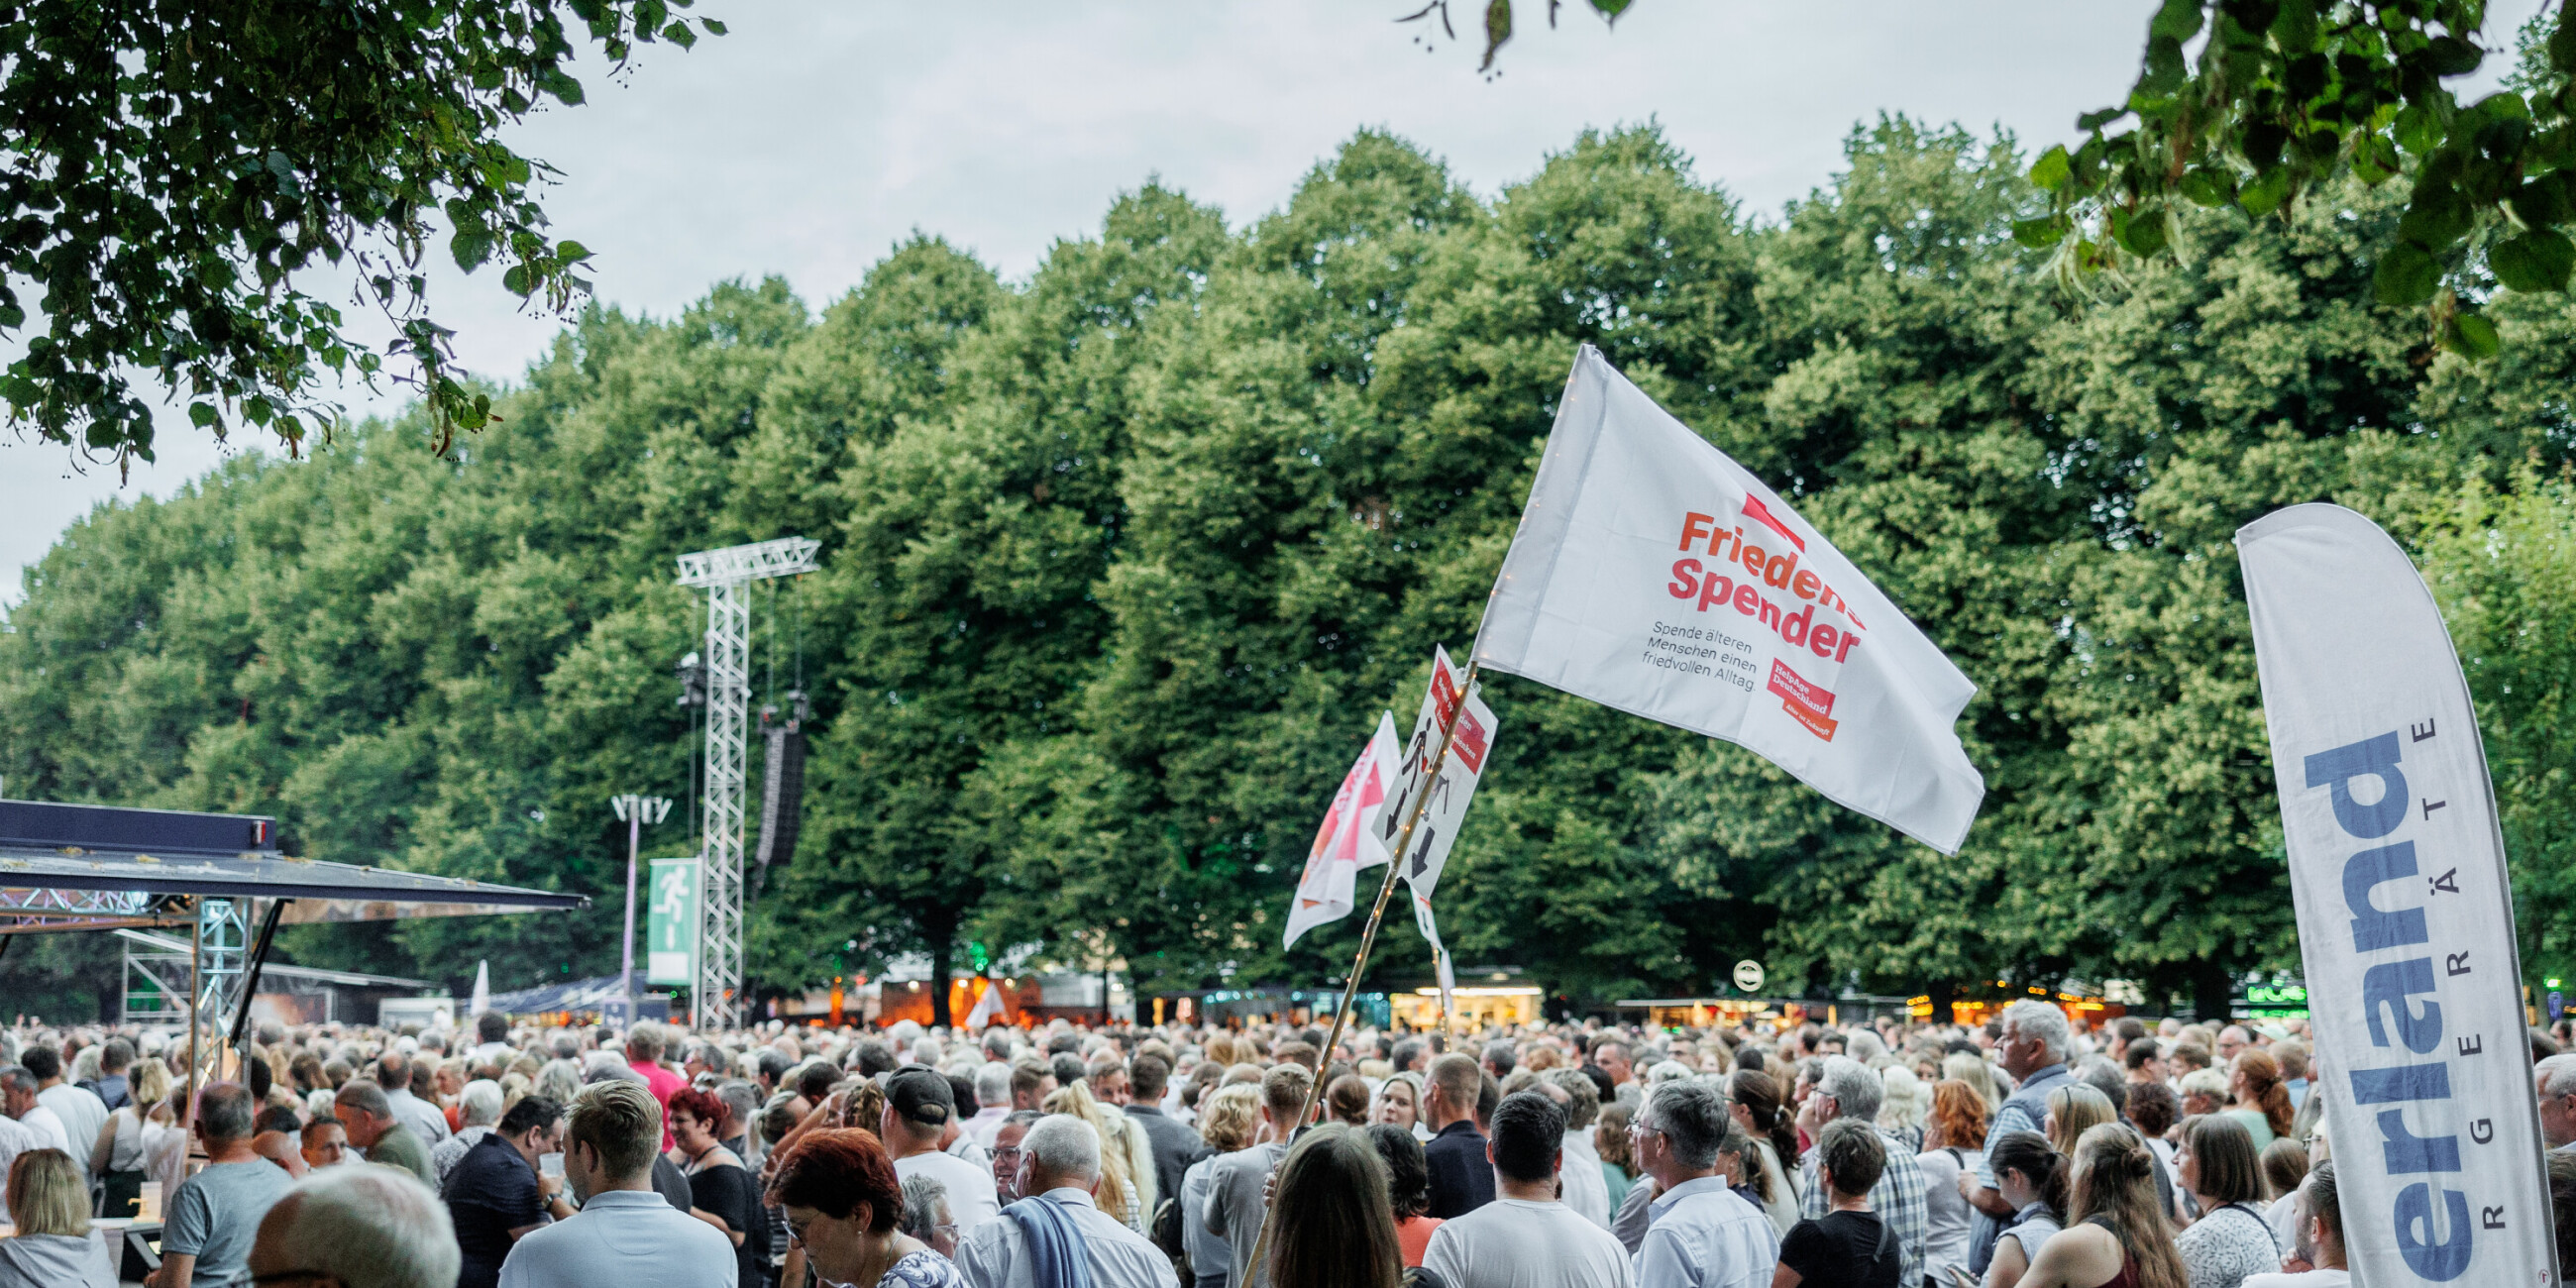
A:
x: 2262, y: 1103
x: 1754, y: 1103
x: 2031, y: 1177
x: 2116, y: 1235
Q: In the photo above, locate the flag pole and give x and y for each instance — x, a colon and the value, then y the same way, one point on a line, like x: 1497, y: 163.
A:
x: 1368, y: 939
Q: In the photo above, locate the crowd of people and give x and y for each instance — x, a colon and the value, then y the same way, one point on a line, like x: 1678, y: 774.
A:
x: 2026, y: 1152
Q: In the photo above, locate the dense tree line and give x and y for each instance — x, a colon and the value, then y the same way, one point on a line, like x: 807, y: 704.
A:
x: 1121, y: 561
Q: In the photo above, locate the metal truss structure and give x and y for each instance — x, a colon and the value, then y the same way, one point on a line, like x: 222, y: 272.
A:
x: 159, y: 978
x: 30, y: 911
x: 726, y: 575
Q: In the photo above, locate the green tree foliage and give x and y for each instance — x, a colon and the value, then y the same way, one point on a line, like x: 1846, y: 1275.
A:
x: 1122, y: 560
x: 173, y: 167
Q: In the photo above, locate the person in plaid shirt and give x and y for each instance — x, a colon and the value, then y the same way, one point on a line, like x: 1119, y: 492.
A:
x: 1849, y: 1089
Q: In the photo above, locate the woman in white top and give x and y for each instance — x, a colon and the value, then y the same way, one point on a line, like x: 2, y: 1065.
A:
x: 2032, y: 1177
x: 2231, y: 1240
x: 121, y: 1156
x: 1753, y: 1101
x: 1954, y: 1144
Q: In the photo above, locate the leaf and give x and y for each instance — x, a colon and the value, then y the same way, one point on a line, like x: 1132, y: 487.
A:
x: 1611, y: 9
x: 2266, y: 193
x: 714, y: 27
x: 1498, y: 29
x: 2562, y: 43
x: 2039, y: 234
x: 2144, y: 232
x: 679, y: 33
x: 2405, y: 277
x: 2538, y: 260
x: 471, y: 247
x: 2177, y: 20
x: 2472, y: 336
x: 2052, y: 170
x: 2100, y: 117
x: 2296, y: 27
x: 2542, y: 202
x: 2203, y: 186
x: 571, y: 252
x: 2417, y: 130
x: 203, y: 415
x: 2452, y: 56
x: 515, y: 281
x: 2165, y: 71
x: 2437, y: 217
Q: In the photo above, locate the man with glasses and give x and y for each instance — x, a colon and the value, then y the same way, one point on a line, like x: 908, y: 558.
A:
x: 1006, y: 1153
x: 1702, y: 1234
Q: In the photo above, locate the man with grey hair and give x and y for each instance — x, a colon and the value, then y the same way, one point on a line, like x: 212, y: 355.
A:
x: 1059, y: 1170
x: 363, y: 1109
x: 992, y: 1103
x: 2032, y: 1049
x: 1702, y: 1234
x: 926, y: 1215
x: 2556, y: 1077
x: 362, y: 1227
x: 478, y: 1108
x: 207, y: 1235
x: 1587, y: 1191
x: 1846, y: 1088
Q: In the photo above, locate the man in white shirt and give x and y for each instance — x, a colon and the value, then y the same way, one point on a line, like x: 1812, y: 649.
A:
x: 1525, y: 1238
x: 18, y: 1100
x: 2556, y: 1077
x: 16, y: 1138
x: 626, y: 1235
x: 81, y: 1112
x: 411, y: 1111
x: 2320, y: 1241
x: 1703, y: 1234
x: 992, y: 1101
x: 1060, y: 1167
x: 1587, y: 1191
x: 493, y: 1030
x: 918, y: 1108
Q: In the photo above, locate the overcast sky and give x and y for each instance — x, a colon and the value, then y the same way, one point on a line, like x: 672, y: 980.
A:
x: 817, y: 134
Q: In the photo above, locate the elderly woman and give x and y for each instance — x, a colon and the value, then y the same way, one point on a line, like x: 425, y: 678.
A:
x: 926, y: 1214
x: 1227, y: 1118
x: 845, y: 1206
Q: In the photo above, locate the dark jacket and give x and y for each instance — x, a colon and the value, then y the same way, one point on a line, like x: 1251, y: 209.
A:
x: 1175, y: 1148
x: 1462, y: 1179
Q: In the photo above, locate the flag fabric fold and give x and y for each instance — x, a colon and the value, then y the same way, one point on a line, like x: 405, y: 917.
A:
x: 1348, y: 839
x: 1652, y: 574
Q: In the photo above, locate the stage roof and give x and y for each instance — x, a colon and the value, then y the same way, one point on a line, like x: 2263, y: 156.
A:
x: 137, y: 865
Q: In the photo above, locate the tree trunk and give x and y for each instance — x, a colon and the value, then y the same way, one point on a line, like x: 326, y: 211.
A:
x: 942, y: 949
x: 2213, y: 988
x: 1943, y: 993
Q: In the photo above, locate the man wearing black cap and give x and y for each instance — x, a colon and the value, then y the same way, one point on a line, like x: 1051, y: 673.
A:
x: 917, y: 1110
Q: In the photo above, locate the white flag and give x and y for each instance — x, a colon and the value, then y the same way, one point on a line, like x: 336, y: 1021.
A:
x: 1447, y: 791
x: 1347, y: 841
x: 2405, y: 913
x: 1652, y: 574
x: 1430, y: 928
x: 481, y: 1000
x: 988, y: 1007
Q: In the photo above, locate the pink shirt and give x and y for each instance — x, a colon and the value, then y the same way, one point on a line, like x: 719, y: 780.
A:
x: 663, y: 1082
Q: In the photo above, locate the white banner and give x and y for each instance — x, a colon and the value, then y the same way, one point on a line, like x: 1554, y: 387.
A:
x: 1652, y: 574
x: 1471, y: 740
x: 2405, y: 914
x: 1347, y: 840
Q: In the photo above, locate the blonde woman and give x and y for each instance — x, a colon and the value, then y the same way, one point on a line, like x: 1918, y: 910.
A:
x: 1902, y: 1111
x: 1973, y: 1070
x: 49, y: 1201
x: 121, y: 1155
x: 2074, y: 1109
x: 1228, y: 1117
x: 1399, y: 1104
x: 1126, y: 1157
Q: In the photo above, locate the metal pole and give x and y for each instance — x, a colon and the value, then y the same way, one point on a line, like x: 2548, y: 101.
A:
x: 1368, y: 940
x: 634, y: 841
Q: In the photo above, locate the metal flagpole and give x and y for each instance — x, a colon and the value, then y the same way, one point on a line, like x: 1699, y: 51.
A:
x: 1368, y: 939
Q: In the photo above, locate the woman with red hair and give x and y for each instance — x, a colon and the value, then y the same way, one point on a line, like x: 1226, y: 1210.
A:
x: 845, y: 1207
x: 722, y: 1192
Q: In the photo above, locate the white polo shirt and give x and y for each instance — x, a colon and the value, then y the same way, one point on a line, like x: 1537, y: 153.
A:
x: 630, y: 1238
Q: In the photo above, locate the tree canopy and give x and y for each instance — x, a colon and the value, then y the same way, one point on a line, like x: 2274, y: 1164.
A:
x: 1121, y: 561
x: 177, y: 174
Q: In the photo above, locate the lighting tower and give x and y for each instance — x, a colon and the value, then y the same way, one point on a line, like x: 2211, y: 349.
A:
x: 724, y: 574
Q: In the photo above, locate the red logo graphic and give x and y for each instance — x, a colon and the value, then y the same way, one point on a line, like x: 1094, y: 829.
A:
x: 1761, y: 514
x: 1468, y: 739
x: 1808, y: 704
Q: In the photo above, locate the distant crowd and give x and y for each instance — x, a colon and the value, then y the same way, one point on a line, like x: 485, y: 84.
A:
x: 2026, y: 1152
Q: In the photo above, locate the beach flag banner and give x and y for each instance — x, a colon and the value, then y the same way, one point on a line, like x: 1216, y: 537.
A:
x: 1652, y: 574
x: 2406, y: 930
x: 1446, y: 787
